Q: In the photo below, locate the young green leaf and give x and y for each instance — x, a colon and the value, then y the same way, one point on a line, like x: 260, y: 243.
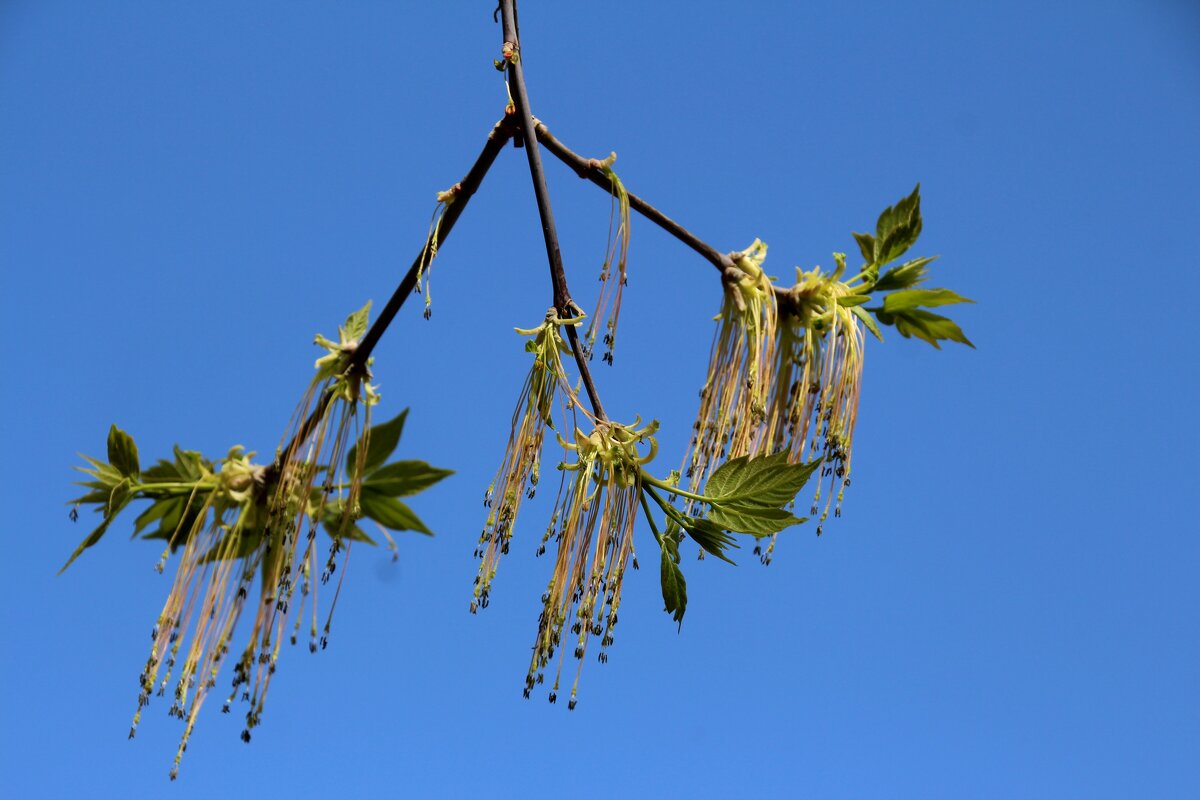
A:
x: 90, y: 540
x: 905, y: 276
x: 756, y: 520
x: 390, y: 512
x: 898, y: 228
x: 381, y: 444
x: 868, y: 321
x: 122, y: 453
x: 916, y: 298
x: 356, y: 324
x: 403, y: 478
x: 866, y: 246
x: 765, y: 480
x: 711, y: 536
x: 924, y: 325
x: 674, y: 587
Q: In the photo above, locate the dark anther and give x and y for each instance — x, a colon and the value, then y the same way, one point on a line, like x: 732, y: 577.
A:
x: 553, y: 697
x: 246, y: 736
x: 571, y: 704
x: 74, y: 515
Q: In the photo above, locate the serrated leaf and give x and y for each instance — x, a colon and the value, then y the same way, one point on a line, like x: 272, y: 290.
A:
x: 866, y: 246
x: 925, y: 325
x: 916, y: 298
x: 122, y: 453
x: 756, y: 520
x: 868, y: 321
x: 909, y: 274
x: 404, y: 478
x: 765, y: 480
x: 674, y: 587
x: 106, y: 474
x: 356, y: 324
x: 390, y: 512
x: 898, y: 228
x: 710, y: 536
x: 381, y: 443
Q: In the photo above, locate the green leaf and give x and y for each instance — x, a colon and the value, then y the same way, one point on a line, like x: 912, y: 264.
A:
x: 756, y: 520
x: 122, y: 453
x: 765, y: 480
x: 404, y: 478
x: 331, y: 522
x: 90, y: 540
x: 356, y: 323
x: 674, y: 587
x: 156, y: 512
x: 905, y: 276
x: 898, y: 228
x: 852, y: 300
x: 924, y: 325
x: 390, y: 512
x: 710, y: 536
x: 915, y: 298
x: 382, y: 443
x: 866, y: 246
x: 868, y: 321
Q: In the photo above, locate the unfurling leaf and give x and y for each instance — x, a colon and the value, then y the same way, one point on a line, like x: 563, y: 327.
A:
x: 711, y: 536
x: 898, y: 228
x: 674, y: 587
x: 356, y: 324
x: 122, y: 453
x: 907, y: 275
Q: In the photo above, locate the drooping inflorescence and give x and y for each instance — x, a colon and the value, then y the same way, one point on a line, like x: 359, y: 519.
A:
x: 520, y: 470
x: 234, y: 523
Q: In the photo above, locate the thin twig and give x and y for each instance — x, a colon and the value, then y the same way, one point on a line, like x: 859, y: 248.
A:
x: 499, y: 136
x: 590, y: 169
x: 558, y: 277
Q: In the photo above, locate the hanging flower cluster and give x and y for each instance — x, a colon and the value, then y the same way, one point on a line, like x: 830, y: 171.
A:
x: 233, y: 523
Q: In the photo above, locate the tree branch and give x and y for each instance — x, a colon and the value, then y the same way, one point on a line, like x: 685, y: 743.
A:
x: 558, y: 277
x: 463, y: 190
x: 590, y: 169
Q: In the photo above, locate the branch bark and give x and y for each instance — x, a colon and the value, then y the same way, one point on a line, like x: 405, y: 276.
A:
x: 589, y: 169
x: 558, y: 277
x: 464, y: 189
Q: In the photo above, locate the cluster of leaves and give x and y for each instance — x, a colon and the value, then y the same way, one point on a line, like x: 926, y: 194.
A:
x: 743, y: 496
x: 904, y: 305
x: 189, y: 485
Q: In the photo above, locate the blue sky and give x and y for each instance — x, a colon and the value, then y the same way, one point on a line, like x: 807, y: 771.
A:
x: 1008, y: 607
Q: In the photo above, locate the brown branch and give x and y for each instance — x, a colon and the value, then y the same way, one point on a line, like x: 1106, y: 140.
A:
x: 589, y: 168
x: 558, y: 277
x: 463, y: 190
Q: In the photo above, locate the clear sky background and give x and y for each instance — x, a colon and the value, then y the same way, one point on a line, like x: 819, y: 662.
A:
x: 1008, y: 608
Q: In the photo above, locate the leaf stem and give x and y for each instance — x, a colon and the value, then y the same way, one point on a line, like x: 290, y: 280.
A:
x: 646, y: 477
